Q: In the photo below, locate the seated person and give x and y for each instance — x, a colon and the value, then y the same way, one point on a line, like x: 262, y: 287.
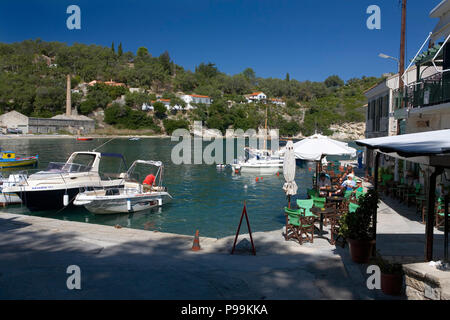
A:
x: 348, y: 184
x: 148, y: 182
x: 359, y: 187
x: 324, y: 183
x: 348, y: 171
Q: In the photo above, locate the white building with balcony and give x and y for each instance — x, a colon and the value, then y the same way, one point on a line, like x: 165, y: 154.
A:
x: 193, y: 99
x: 256, y: 97
x: 424, y: 105
x: 380, y: 120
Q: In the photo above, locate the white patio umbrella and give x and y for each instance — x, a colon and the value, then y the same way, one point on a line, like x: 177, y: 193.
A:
x: 290, y: 187
x: 317, y: 146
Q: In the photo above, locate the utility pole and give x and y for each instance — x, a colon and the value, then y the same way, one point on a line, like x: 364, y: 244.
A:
x: 402, y: 45
x: 401, y: 68
x: 68, y: 97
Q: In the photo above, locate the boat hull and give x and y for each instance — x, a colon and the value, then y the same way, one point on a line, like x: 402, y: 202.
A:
x: 32, y: 161
x: 261, y: 169
x: 47, y: 199
x: 113, y: 206
x: 7, y: 198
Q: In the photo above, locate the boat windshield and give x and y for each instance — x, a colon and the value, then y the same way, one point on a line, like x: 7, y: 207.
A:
x: 60, y: 167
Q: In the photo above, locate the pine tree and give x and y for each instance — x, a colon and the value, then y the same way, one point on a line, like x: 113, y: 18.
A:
x: 119, y: 49
x: 112, y: 47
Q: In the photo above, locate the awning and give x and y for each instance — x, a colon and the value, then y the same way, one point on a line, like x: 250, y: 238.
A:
x: 430, y: 148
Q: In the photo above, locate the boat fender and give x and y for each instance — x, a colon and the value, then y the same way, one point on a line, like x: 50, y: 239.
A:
x: 160, y: 202
x: 66, y: 200
x: 128, y: 205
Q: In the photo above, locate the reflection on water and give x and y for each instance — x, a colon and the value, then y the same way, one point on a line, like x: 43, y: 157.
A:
x: 205, y: 198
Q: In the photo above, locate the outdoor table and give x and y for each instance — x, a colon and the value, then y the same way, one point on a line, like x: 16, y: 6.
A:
x: 322, y: 212
x: 335, y: 199
x: 328, y: 190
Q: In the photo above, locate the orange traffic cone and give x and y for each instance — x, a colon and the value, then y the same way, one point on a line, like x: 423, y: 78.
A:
x: 196, y: 244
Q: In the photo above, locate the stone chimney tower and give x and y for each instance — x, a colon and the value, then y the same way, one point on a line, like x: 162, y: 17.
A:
x: 68, y: 97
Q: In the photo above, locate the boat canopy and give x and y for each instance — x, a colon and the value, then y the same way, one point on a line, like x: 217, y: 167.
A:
x: 149, y: 162
x: 115, y: 155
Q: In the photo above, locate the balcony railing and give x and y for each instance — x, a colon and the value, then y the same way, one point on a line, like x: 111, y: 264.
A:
x: 427, y: 92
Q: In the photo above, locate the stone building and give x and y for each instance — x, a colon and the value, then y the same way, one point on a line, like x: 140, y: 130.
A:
x: 75, y: 124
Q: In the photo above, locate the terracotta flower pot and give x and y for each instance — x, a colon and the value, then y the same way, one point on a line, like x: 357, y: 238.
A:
x: 360, y: 250
x: 391, y: 284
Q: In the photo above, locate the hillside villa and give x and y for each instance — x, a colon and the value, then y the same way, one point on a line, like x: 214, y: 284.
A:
x: 192, y: 99
x: 277, y: 101
x: 256, y: 97
x: 108, y: 83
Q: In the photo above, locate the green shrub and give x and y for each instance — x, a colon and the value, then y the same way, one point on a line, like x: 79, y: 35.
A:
x: 160, y: 110
x: 171, y: 125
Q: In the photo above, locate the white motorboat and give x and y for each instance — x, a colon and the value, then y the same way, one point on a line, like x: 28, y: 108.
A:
x: 265, y: 165
x: 7, y: 198
x: 133, y: 197
x: 260, y: 161
x: 58, y: 185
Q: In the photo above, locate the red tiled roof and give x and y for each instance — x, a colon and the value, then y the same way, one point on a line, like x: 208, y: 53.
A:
x: 199, y: 96
x: 256, y: 93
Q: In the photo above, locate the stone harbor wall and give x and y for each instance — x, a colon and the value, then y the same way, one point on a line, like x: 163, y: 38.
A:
x: 426, y: 282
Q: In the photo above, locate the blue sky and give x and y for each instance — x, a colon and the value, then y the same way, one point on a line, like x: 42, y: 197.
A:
x: 310, y: 39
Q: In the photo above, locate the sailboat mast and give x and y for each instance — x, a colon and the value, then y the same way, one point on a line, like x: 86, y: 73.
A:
x: 265, y: 130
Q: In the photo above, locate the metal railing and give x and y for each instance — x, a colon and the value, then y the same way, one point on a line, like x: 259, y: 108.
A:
x: 429, y: 91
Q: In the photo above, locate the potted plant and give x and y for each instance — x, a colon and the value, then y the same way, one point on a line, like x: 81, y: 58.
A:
x: 357, y: 227
x: 391, y: 276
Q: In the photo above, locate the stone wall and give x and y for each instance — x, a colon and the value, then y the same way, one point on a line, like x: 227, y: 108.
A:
x: 41, y: 125
x: 348, y: 131
x: 425, y: 282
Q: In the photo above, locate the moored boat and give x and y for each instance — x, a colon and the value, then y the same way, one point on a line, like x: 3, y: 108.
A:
x: 7, y: 198
x: 58, y: 185
x: 133, y: 197
x: 84, y: 138
x: 258, y: 165
x: 9, y: 159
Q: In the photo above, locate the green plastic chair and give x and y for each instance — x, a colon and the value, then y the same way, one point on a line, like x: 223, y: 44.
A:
x: 385, y: 178
x: 412, y: 195
x: 352, y: 207
x: 296, y: 228
x: 359, y: 194
x: 319, y: 201
x: 440, y: 212
x: 347, y: 194
x: 312, y: 193
x: 306, y: 204
x: 293, y: 216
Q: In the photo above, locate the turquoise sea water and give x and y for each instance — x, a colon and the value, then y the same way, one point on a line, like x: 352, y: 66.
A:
x: 205, y: 198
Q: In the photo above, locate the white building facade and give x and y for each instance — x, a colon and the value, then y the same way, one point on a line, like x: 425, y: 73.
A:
x: 256, y: 97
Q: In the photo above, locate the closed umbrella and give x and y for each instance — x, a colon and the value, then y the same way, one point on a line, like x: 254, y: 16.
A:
x: 290, y: 187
